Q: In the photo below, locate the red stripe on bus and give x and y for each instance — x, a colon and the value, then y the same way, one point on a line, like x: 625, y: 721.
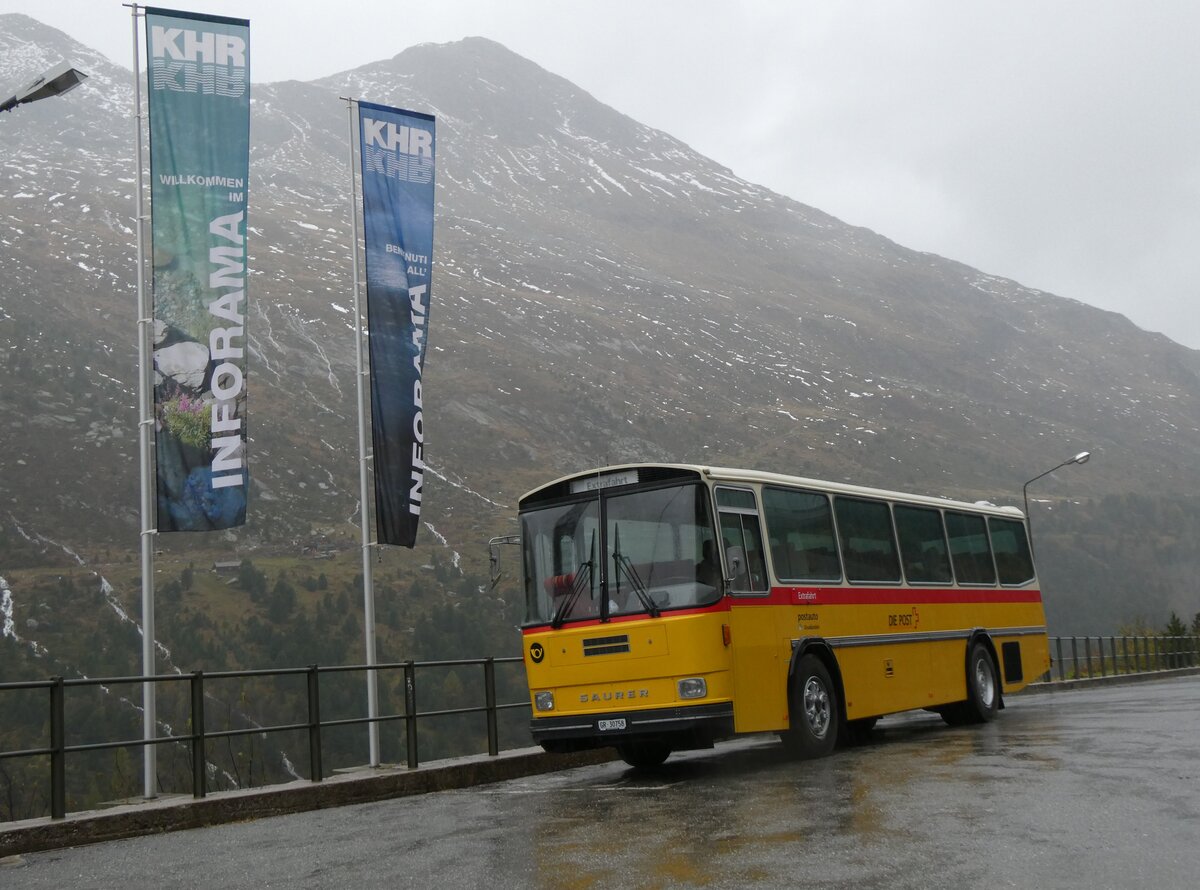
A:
x: 892, y: 596
x: 834, y: 596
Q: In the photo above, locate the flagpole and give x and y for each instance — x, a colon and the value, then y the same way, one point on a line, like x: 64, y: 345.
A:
x: 145, y: 424
x: 363, y: 457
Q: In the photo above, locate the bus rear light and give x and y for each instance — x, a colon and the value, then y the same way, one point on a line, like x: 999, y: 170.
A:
x: 544, y: 701
x: 692, y: 687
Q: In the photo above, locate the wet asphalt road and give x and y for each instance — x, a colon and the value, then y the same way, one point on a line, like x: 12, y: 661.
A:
x: 1097, y: 789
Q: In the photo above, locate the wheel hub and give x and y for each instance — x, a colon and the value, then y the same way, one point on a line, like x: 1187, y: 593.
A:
x: 816, y: 707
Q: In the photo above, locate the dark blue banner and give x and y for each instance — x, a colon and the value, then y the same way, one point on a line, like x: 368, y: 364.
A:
x: 198, y: 78
x: 397, y: 150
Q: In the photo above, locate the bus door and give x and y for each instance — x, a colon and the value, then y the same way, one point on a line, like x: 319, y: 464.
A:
x: 759, y: 676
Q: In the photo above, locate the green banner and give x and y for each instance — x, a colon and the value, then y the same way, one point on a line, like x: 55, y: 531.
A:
x: 198, y: 78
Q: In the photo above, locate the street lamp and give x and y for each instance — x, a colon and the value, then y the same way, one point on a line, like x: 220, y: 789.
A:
x: 1080, y: 458
x: 58, y: 80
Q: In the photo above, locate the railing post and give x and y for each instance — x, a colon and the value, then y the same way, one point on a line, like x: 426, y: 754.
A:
x: 1112, y: 647
x: 58, y: 754
x: 489, y: 685
x: 1075, y: 656
x: 1058, y: 648
x: 1137, y: 662
x: 199, y: 776
x: 314, y: 724
x: 1087, y: 654
x: 410, y: 711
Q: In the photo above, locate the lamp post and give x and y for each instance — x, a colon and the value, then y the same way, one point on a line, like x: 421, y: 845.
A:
x: 1081, y: 458
x: 58, y: 80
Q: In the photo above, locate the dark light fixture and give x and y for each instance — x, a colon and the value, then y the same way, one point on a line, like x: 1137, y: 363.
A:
x: 1081, y: 458
x: 58, y: 80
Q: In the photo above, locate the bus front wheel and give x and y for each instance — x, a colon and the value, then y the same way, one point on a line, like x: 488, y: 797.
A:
x: 647, y: 754
x: 814, y: 711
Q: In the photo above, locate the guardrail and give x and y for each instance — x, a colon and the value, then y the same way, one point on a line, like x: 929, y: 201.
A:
x: 57, y: 750
x: 1075, y: 658
x: 1072, y: 658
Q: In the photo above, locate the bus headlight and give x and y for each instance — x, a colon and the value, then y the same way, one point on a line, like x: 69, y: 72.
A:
x: 544, y: 701
x: 692, y: 687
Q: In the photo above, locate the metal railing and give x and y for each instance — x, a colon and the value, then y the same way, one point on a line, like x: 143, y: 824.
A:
x: 1072, y: 658
x: 1076, y: 658
x: 57, y: 750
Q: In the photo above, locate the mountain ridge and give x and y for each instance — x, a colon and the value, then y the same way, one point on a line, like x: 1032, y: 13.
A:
x: 602, y: 293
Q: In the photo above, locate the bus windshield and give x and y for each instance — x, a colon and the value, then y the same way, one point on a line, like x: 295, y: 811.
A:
x: 620, y: 553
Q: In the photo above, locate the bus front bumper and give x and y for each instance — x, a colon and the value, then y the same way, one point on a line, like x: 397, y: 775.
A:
x: 684, y: 726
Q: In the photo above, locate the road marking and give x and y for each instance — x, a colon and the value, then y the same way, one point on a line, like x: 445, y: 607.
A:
x: 579, y: 790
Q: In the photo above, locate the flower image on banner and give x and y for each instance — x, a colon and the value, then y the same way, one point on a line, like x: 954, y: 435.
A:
x: 198, y: 80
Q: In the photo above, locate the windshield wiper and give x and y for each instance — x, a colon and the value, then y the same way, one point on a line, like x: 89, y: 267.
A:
x: 622, y: 564
x: 582, y: 582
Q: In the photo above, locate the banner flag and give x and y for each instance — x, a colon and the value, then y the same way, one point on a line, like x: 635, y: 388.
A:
x: 198, y: 80
x: 397, y: 155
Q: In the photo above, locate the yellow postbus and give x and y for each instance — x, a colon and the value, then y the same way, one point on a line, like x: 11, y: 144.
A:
x: 668, y: 606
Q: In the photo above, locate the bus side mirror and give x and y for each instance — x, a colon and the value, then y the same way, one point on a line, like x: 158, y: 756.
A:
x: 494, y: 546
x: 735, y: 558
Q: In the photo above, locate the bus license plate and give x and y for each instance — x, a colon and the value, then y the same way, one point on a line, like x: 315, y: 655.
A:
x: 606, y: 725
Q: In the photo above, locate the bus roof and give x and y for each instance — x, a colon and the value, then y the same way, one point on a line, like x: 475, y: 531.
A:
x: 729, y: 474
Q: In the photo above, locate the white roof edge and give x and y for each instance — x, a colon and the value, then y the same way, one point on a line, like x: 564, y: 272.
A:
x: 760, y: 477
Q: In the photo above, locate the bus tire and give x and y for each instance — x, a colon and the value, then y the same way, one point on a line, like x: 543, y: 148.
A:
x: 983, y: 690
x: 983, y: 684
x: 646, y: 755
x: 814, y: 711
x: 857, y: 732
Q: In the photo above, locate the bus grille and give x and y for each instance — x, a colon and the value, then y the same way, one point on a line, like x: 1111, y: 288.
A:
x: 606, y: 645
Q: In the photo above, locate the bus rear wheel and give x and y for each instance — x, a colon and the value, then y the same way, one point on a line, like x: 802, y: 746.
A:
x: 983, y: 690
x: 648, y: 754
x: 814, y: 711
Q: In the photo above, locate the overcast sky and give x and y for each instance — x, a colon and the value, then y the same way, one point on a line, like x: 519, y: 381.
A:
x: 1055, y: 143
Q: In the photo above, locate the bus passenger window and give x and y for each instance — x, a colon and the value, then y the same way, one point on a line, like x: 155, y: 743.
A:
x: 868, y: 544
x: 922, y: 545
x: 802, y: 542
x: 969, y: 549
x: 1011, y: 547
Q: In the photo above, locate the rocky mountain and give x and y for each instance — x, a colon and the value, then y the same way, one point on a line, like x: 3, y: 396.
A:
x: 601, y: 293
